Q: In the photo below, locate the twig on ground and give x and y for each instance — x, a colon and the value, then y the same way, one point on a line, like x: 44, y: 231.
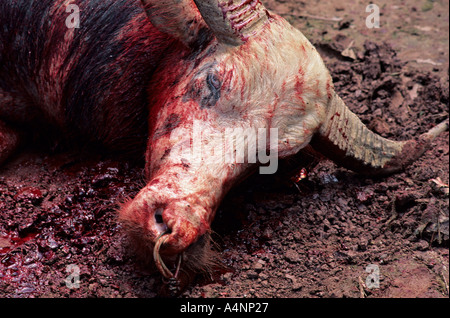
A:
x: 315, y: 17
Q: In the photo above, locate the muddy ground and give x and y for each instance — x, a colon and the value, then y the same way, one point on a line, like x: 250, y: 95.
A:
x: 276, y: 239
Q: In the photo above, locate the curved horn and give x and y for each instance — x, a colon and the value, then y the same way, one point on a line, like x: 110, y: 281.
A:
x: 178, y: 18
x: 347, y: 141
x: 233, y: 21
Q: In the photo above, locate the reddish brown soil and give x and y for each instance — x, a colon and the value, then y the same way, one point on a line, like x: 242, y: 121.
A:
x: 276, y: 240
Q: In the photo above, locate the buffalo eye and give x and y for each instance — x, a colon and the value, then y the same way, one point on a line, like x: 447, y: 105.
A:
x: 205, y: 90
x: 214, y: 85
x: 213, y: 81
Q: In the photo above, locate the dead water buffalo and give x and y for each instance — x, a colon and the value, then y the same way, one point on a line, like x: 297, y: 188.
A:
x: 214, y: 88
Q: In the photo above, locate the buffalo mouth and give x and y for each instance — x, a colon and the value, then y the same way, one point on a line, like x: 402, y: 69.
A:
x: 173, y: 239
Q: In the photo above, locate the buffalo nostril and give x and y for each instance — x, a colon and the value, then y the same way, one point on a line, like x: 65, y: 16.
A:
x: 159, y: 222
x: 158, y: 218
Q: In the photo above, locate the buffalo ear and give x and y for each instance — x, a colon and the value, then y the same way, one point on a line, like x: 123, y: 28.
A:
x: 178, y: 18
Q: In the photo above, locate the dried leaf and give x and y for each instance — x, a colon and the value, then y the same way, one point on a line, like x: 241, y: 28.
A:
x: 428, y: 61
x: 441, y: 185
x: 5, y: 243
x: 439, y: 182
